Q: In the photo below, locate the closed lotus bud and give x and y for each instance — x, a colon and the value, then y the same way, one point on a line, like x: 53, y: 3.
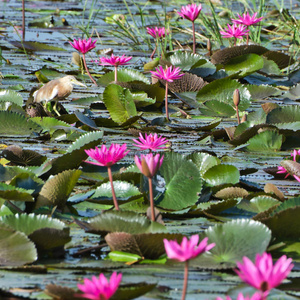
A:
x: 208, y: 46
x: 244, y: 118
x: 236, y: 97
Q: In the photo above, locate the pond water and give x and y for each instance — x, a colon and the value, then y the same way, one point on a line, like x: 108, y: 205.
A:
x: 18, y: 67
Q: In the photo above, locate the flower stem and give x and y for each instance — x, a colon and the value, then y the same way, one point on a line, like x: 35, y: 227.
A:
x: 87, y: 70
x: 112, y: 188
x: 23, y: 20
x: 234, y: 41
x: 185, y: 279
x: 116, y: 73
x: 237, y: 114
x: 194, y: 38
x: 153, y: 53
x: 151, y: 199
x: 166, y: 101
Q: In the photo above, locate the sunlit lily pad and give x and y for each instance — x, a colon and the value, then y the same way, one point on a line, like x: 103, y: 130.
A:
x: 284, y: 114
x: 258, y: 204
x: 268, y: 140
x: 259, y: 92
x: 124, y: 75
x: 35, y: 46
x: 15, y: 248
x: 184, y: 60
x: 234, y: 240
x: 8, y: 97
x: 232, y: 193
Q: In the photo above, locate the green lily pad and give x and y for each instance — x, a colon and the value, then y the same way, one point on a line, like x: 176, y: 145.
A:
x: 258, y: 92
x: 124, y: 75
x: 57, y: 189
x: 50, y: 124
x: 217, y: 108
x: 15, y: 248
x: 234, y: 240
x: 284, y: 114
x: 184, y: 60
x: 35, y: 46
x: 270, y: 67
x: 293, y: 93
x: 12, y: 193
x: 122, y: 221
x: 15, y: 124
x: 258, y: 204
x: 119, y: 102
x: 268, y: 140
x: 183, y: 182
x: 221, y: 174
x: 222, y: 90
x: 9, y: 97
x: 244, y: 65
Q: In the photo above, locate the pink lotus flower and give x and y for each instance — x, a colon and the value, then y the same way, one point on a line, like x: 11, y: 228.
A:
x: 100, y: 288
x: 83, y: 46
x: 255, y: 296
x: 151, y: 142
x: 107, y: 157
x: 246, y: 19
x: 282, y: 170
x: 157, y: 32
x: 149, y: 164
x: 188, y: 249
x: 169, y: 74
x: 263, y: 275
x: 115, y: 60
x: 190, y: 11
x: 236, y: 31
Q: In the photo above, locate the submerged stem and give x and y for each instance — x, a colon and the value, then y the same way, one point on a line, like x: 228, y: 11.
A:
x: 87, y: 70
x: 151, y: 199
x: 112, y: 188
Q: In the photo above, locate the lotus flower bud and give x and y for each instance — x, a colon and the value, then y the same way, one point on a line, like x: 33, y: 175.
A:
x: 236, y: 97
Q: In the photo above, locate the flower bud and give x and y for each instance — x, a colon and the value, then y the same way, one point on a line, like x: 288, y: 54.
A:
x: 236, y: 97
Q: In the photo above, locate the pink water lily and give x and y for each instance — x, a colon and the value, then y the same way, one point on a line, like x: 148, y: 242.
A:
x: 115, y: 61
x: 84, y: 46
x: 108, y: 157
x: 262, y: 274
x: 100, y: 288
x: 150, y: 142
x: 157, y: 32
x: 246, y: 19
x: 235, y: 31
x: 240, y: 296
x: 169, y: 75
x: 187, y: 250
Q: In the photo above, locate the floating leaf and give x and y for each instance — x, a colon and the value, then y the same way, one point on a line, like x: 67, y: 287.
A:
x: 9, y: 97
x: 258, y: 204
x: 244, y: 65
x: 183, y: 182
x: 119, y: 102
x: 259, y: 92
x: 217, y: 108
x: 124, y: 75
x: 234, y: 240
x: 221, y: 174
x: 268, y: 140
x: 222, y: 90
x: 284, y: 114
x: 61, y: 292
x: 185, y: 60
x: 15, y: 124
x: 281, y: 59
x: 293, y: 93
x: 15, y: 248
x: 57, y: 189
x: 35, y: 46
x: 231, y: 193
x: 49, y: 124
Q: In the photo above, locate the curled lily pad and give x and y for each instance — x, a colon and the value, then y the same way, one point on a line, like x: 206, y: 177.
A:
x: 61, y: 292
x: 122, y: 221
x: 7, y: 97
x: 259, y: 92
x: 292, y: 167
x: 234, y: 240
x: 272, y: 189
x: 57, y: 189
x: 258, y: 204
x: 231, y: 193
x: 184, y: 60
x: 15, y: 248
x: 284, y: 114
x: 148, y: 245
x: 18, y: 156
x: 124, y: 75
x: 268, y: 140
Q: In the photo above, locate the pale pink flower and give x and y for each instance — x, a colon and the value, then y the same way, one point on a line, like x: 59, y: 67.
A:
x: 107, y: 157
x: 246, y: 19
x: 188, y: 249
x: 240, y: 296
x: 169, y: 74
x: 100, y: 288
x: 149, y: 164
x: 115, y: 60
x: 262, y: 274
x: 190, y: 11
x: 151, y: 142
x: 236, y: 31
x: 157, y: 32
x: 83, y: 46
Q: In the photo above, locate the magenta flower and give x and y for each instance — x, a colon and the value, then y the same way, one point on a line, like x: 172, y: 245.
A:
x: 107, y: 157
x: 151, y: 142
x: 255, y: 296
x: 100, y: 288
x: 262, y: 274
x: 246, y: 19
x: 185, y: 251
x: 169, y: 74
x: 282, y: 170
x: 157, y: 32
x: 149, y: 164
x: 190, y: 11
x: 236, y: 31
x: 83, y: 46
x: 115, y: 61
x: 188, y: 249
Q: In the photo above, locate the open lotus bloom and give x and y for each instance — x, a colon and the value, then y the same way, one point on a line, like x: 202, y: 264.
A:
x: 83, y: 46
x: 190, y: 11
x: 151, y: 142
x: 246, y: 19
x: 240, y: 296
x: 169, y: 74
